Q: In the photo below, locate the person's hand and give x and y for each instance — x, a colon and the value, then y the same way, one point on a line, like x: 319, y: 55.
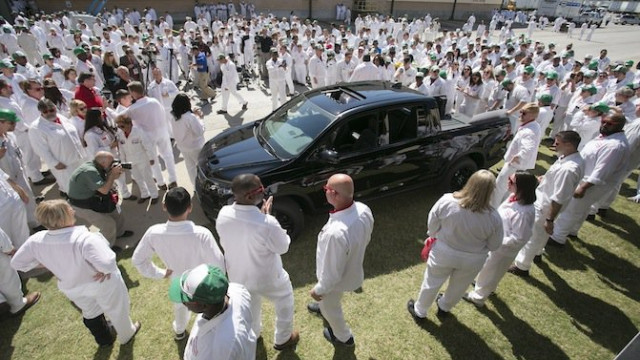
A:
x: 101, y: 277
x: 116, y: 171
x: 515, y: 160
x: 60, y: 166
x: 168, y: 273
x: 11, y: 253
x: 2, y: 152
x: 548, y: 227
x: 22, y: 193
x: 315, y: 296
x: 114, y: 144
x: 579, y: 193
x: 266, y: 205
x: 151, y: 162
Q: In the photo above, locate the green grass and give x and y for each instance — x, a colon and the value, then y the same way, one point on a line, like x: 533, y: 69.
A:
x: 581, y: 303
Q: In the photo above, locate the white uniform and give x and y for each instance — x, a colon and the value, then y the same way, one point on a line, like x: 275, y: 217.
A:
x: 604, y: 161
x: 517, y: 224
x: 544, y: 119
x: 524, y: 146
x: 365, y: 71
x: 13, y: 214
x: 11, y: 163
x: 10, y: 285
x: 586, y: 126
x: 181, y: 245
x: 164, y: 92
x: 339, y: 256
x: 557, y: 185
x: 345, y: 70
x: 189, y: 135
x: 227, y: 336
x: 253, y: 242
x: 28, y: 113
x: 74, y: 255
x: 317, y: 72
x: 229, y: 84
x: 277, y: 83
x: 58, y: 143
x: 138, y: 149
x: 87, y: 67
x: 464, y: 239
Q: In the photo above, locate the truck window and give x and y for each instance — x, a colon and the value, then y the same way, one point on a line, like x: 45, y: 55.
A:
x: 402, y: 123
x: 359, y: 133
x: 428, y: 121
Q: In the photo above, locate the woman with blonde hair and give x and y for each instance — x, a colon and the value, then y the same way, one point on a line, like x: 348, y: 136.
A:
x: 78, y: 111
x: 86, y: 270
x: 466, y: 227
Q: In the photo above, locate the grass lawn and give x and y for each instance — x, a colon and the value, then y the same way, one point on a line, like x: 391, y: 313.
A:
x: 580, y: 303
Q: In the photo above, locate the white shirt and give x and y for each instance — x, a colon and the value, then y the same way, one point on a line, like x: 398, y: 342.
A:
x: 464, y: 230
x: 98, y: 140
x: 7, y: 194
x: 605, y: 158
x: 181, y: 245
x: 57, y: 143
x: 560, y: 181
x: 366, y: 71
x: 517, y: 225
x: 317, y: 68
x: 228, y: 336
x: 524, y: 145
x: 632, y: 131
x: 164, y: 92
x: 148, y: 114
x: 188, y: 131
x: 136, y: 148
x: 276, y: 72
x: 230, y: 74
x: 252, y: 243
x: 73, y: 254
x: 341, y: 246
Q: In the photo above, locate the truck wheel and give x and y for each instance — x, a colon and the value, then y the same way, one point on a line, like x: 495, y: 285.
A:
x: 289, y: 215
x: 459, y: 173
x: 624, y: 23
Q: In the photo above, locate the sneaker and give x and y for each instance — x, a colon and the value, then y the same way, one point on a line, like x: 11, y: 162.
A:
x: 181, y: 336
x: 291, y: 343
x: 314, y: 308
x: 244, y: 106
x: 518, y: 272
x: 328, y: 334
x: 477, y: 303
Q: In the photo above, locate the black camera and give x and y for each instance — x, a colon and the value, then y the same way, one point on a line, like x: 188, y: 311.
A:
x: 125, y: 165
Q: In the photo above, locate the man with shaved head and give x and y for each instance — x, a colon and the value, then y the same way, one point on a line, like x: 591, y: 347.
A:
x: 341, y: 246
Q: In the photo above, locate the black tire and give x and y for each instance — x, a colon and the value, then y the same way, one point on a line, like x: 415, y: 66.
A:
x: 624, y: 23
x: 459, y: 173
x: 289, y: 215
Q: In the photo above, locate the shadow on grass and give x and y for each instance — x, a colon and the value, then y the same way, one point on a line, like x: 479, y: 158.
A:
x: 521, y: 335
x: 127, y: 279
x: 625, y: 229
x: 103, y: 353
x: 126, y: 351
x: 287, y: 354
x: 602, y: 322
x: 566, y: 258
x: 181, y: 345
x: 10, y: 326
x: 460, y: 341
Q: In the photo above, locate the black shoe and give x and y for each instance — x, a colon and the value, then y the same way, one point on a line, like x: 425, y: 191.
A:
x: 154, y: 201
x: 602, y: 213
x: 44, y: 181
x: 162, y: 187
x: 221, y: 112
x: 551, y: 242
x: 116, y: 249
x: 126, y: 234
x: 537, y: 259
x: 64, y: 195
x: 38, y: 228
x: 39, y: 199
x: 591, y: 217
x: 328, y: 334
x: 142, y: 200
x: 314, y: 308
x: 172, y: 185
x: 244, y: 106
x: 291, y: 343
x: 441, y: 313
x: 412, y: 311
x: 518, y: 272
x: 181, y: 336
x: 46, y: 173
x: 131, y: 198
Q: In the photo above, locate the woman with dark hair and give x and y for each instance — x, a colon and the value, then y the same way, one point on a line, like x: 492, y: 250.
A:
x: 70, y: 82
x: 188, y: 131
x: 461, y: 82
x: 109, y: 65
x: 60, y: 97
x: 518, y: 216
x: 471, y: 95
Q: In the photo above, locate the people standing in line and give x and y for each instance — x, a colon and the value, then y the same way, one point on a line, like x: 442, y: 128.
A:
x: 552, y: 195
x: 86, y: 270
x: 517, y: 214
x: 181, y: 245
x: 222, y: 329
x: 341, y: 247
x: 466, y: 227
x: 253, y: 242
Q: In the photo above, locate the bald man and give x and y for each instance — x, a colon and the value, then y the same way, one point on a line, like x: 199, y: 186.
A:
x: 341, y: 246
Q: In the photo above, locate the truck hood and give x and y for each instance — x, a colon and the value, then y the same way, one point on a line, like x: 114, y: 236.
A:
x: 234, y: 152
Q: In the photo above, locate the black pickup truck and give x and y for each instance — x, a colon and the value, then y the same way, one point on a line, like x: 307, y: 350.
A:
x: 386, y: 137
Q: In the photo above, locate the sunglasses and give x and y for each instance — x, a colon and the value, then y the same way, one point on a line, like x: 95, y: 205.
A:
x: 256, y: 191
x: 82, y: 108
x: 37, y: 89
x: 327, y: 189
x: 49, y: 111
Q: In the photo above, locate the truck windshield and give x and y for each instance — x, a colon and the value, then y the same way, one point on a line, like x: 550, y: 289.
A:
x: 294, y: 126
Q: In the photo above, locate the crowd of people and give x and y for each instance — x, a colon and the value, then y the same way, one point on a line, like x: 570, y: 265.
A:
x: 89, y: 100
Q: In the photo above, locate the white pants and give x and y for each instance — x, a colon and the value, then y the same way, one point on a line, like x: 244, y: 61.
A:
x: 331, y: 308
x: 10, y: 285
x: 163, y: 144
x: 191, y: 162
x: 289, y: 80
x: 121, y: 182
x: 181, y: 316
x: 278, y: 93
x: 110, y: 225
x: 13, y: 221
x: 30, y: 159
x: 571, y: 219
x: 492, y: 272
x: 536, y: 244
x: 31, y: 205
x: 558, y: 121
x: 110, y: 298
x: 300, y: 72
x: 610, y: 196
x: 231, y: 90
x: 447, y: 263
x: 281, y: 295
x: 321, y: 82
x: 141, y: 174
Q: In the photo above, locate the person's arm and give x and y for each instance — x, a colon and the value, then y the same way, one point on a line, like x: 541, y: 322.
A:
x: 211, y: 251
x: 112, y: 175
x: 277, y: 241
x: 606, y: 163
x: 334, y: 263
x: 141, y: 259
x: 24, y: 259
x: 21, y: 192
x: 39, y: 144
x: 521, y: 229
x: 96, y: 252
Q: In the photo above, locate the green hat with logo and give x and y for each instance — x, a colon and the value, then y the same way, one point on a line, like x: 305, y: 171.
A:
x: 600, y: 107
x: 8, y: 115
x: 506, y: 82
x: 79, y: 50
x: 529, y: 69
x: 545, y: 99
x: 628, y: 63
x: 18, y: 54
x: 590, y: 74
x: 634, y: 86
x: 593, y: 65
x: 443, y: 74
x: 590, y: 88
x: 552, y: 75
x: 47, y: 56
x: 6, y: 64
x: 203, y: 284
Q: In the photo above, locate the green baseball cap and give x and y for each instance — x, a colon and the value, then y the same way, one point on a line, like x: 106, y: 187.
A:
x: 506, y: 82
x: 590, y: 88
x: 47, y: 56
x: 18, y: 54
x: 443, y: 74
x: 79, y: 50
x: 6, y: 64
x: 545, y: 99
x: 552, y: 75
x: 628, y: 63
x: 8, y: 115
x: 204, y: 284
x: 600, y: 107
x: 593, y: 65
x: 634, y: 86
x: 529, y: 69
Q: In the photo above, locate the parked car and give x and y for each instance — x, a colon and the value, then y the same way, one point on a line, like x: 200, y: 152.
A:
x: 590, y: 17
x: 386, y: 137
x: 625, y: 19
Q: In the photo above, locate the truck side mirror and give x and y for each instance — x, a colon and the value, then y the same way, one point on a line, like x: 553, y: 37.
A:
x: 329, y: 156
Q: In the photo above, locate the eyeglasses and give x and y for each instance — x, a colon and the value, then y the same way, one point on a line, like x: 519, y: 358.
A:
x: 82, y: 108
x: 256, y: 191
x: 37, y: 89
x: 49, y: 111
x: 327, y: 189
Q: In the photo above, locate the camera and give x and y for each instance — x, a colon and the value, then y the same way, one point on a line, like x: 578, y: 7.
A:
x: 125, y: 165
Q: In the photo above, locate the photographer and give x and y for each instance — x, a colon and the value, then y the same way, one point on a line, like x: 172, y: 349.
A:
x: 92, y: 196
